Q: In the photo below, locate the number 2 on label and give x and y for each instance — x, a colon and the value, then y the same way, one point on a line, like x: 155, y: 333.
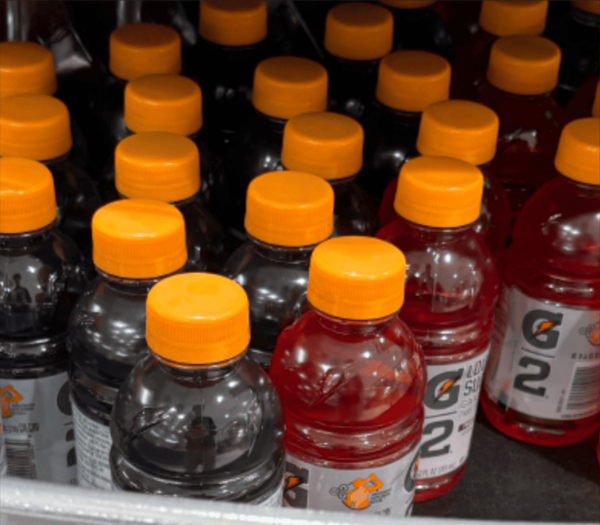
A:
x: 542, y: 373
x: 427, y: 450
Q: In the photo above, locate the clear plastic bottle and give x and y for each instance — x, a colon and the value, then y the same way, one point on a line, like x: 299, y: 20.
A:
x: 41, y: 275
x: 351, y: 378
x: 38, y: 127
x: 542, y: 384
x: 451, y: 290
x: 331, y: 146
x: 287, y: 215
x: 198, y: 418
x: 136, y: 244
x: 408, y: 82
x: 166, y: 167
x: 357, y: 37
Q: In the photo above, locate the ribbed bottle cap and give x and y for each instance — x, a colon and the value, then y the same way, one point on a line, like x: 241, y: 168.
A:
x: 359, y: 31
x: 596, y: 106
x: 524, y: 65
x: 26, y: 68
x: 160, y: 166
x: 138, y: 239
x: 411, y: 80
x: 589, y: 6
x: 358, y: 278
x: 288, y: 86
x: 233, y: 23
x: 325, y: 144
x: 35, y: 127
x: 439, y: 192
x: 144, y: 49
x: 459, y: 129
x: 407, y: 4
x: 288, y: 208
x: 513, y: 17
x: 578, y: 154
x: 27, y: 199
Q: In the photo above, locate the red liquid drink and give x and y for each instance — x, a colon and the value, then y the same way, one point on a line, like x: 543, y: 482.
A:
x: 451, y: 289
x: 542, y: 384
x: 351, y: 378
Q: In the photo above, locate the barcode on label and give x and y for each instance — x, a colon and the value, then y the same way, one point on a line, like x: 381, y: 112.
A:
x: 20, y: 459
x: 585, y: 387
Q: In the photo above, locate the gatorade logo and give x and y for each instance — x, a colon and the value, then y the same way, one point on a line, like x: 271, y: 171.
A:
x: 293, y: 493
x: 361, y: 493
x: 592, y: 333
x: 442, y: 390
x: 540, y: 329
x: 8, y: 395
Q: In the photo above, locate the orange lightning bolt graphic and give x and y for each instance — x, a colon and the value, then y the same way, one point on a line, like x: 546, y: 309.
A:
x: 293, y: 481
x: 544, y: 327
x: 447, y: 386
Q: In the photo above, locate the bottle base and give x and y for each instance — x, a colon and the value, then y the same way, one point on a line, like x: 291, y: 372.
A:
x: 432, y: 488
x: 537, y: 431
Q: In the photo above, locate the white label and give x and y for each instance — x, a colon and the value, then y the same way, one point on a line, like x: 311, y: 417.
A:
x: 38, y: 428
x: 2, y: 452
x: 450, y: 409
x: 545, y: 359
x: 93, y: 442
x: 275, y: 499
x: 388, y: 490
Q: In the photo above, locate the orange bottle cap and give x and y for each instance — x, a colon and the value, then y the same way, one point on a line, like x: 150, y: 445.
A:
x: 197, y: 319
x: 359, y: 31
x: 596, y: 106
x: 160, y: 166
x: 439, y: 192
x: 288, y: 86
x: 288, y: 208
x: 325, y: 144
x: 138, y: 239
x: 459, y: 129
x: 358, y: 278
x: 35, y: 127
x: 163, y: 103
x: 144, y: 49
x: 524, y: 65
x: 578, y: 154
x: 590, y: 6
x: 233, y: 23
x: 513, y: 17
x: 27, y: 199
x: 26, y: 68
x: 407, y: 4
x: 411, y: 80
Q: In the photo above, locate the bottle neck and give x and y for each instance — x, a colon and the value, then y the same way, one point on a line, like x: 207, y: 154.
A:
x: 276, y: 123
x: 198, y: 373
x: 287, y: 254
x: 133, y: 286
x: 56, y: 162
x: 351, y: 327
x: 516, y: 97
x: 26, y: 239
x: 591, y: 190
x: 431, y: 235
x: 338, y: 183
x: 410, y: 119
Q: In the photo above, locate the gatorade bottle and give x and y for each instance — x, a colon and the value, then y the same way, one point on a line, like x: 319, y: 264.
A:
x: 451, y: 289
x: 522, y: 72
x: 2, y: 451
x: 41, y: 275
x: 408, y: 82
x: 330, y: 146
x: 38, y: 127
x: 287, y: 215
x: 586, y: 101
x: 542, y: 384
x: 232, y: 43
x: 466, y: 131
x: 357, y: 36
x: 497, y: 18
x: 197, y: 417
x: 283, y: 88
x: 136, y: 243
x: 418, y: 26
x: 351, y: 378
x: 166, y: 167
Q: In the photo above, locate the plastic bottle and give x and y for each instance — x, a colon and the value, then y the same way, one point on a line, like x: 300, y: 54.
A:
x: 586, y: 100
x: 408, y: 82
x: 451, y: 290
x: 331, y: 146
x: 197, y: 417
x: 497, y: 18
x: 522, y: 73
x: 542, y: 384
x: 466, y: 131
x: 2, y: 450
x: 166, y: 167
x: 41, y: 275
x: 283, y: 88
x: 287, y: 215
x: 357, y: 36
x: 351, y: 378
x: 136, y: 244
x: 38, y: 127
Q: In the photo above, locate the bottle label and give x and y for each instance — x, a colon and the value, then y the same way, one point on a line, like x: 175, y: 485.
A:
x: 450, y: 409
x: 93, y: 442
x: 38, y: 428
x: 546, y: 363
x: 2, y: 452
x: 387, y: 491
